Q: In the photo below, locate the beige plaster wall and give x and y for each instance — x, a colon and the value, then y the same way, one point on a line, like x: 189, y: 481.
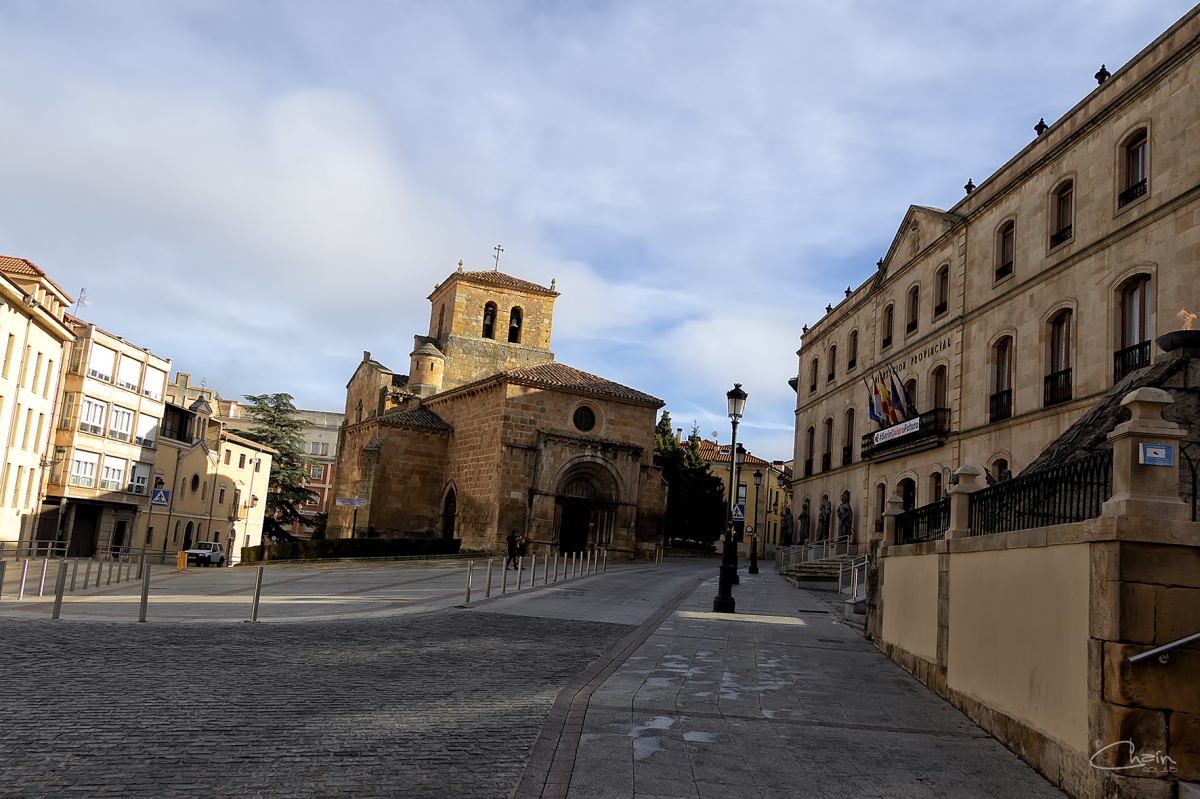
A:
x: 1018, y: 622
x: 910, y: 602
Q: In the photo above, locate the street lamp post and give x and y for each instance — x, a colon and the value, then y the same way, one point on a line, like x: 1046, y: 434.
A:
x: 754, y: 536
x: 723, y: 602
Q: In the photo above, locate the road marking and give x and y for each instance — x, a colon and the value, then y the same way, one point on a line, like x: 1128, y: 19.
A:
x: 697, y: 614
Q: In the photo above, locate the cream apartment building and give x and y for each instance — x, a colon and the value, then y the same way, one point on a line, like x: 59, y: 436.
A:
x: 109, y: 415
x: 34, y: 339
x: 1010, y: 314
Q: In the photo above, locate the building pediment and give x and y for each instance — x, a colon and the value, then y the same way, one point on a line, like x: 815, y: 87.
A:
x: 922, y: 226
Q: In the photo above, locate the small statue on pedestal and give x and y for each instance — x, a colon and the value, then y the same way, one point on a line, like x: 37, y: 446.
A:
x: 805, y: 520
x: 823, y: 521
x: 845, y: 516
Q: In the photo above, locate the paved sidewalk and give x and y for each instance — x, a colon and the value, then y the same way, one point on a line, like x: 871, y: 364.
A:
x: 783, y: 701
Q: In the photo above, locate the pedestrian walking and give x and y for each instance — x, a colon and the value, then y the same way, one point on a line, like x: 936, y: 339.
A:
x: 522, y: 550
x: 512, y: 551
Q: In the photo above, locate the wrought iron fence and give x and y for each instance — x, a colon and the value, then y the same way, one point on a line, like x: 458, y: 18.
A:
x: 1061, y: 236
x: 1000, y: 405
x: 1057, y: 388
x: 1130, y: 359
x: 926, y: 523
x: 1131, y: 193
x: 1062, y: 494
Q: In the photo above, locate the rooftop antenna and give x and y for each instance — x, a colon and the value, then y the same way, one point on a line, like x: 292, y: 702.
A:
x: 497, y: 249
x: 82, y: 302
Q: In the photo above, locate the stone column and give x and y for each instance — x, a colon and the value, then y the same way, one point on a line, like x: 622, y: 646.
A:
x: 893, y: 508
x: 960, y: 500
x: 1141, y: 489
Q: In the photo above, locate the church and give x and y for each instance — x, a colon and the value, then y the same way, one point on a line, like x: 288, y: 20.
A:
x: 488, y: 435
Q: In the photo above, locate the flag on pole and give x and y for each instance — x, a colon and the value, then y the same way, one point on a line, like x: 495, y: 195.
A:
x: 910, y: 405
x: 878, y: 402
x: 898, y: 412
x: 870, y: 403
x: 886, y: 401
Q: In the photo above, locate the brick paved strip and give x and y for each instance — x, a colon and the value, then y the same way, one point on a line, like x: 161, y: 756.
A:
x: 548, y: 771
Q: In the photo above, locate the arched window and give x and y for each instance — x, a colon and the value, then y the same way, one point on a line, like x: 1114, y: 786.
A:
x: 1000, y: 470
x: 816, y: 368
x: 880, y: 505
x: 1064, y: 213
x: 914, y: 309
x: 1006, y: 243
x: 441, y: 322
x: 889, y: 321
x: 187, y: 536
x: 852, y: 352
x: 449, y: 512
x: 1135, y: 170
x: 941, y: 394
x: 943, y: 291
x: 1001, y: 368
x: 848, y: 441
x: 1058, y: 380
x: 514, y: 326
x: 910, y: 401
x: 809, y: 444
x: 1136, y: 310
x: 827, y: 455
x: 935, y: 487
x: 489, y: 320
x: 832, y: 362
x: 907, y: 489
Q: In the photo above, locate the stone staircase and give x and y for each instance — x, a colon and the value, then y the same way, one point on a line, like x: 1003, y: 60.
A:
x: 819, y: 571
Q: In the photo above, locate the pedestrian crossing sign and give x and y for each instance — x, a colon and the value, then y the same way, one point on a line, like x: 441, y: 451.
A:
x: 160, y: 497
x: 739, y: 512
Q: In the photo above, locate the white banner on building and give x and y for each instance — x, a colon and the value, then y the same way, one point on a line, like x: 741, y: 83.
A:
x: 895, y: 431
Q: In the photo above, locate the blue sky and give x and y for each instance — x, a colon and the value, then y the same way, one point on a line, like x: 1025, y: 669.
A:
x: 261, y: 191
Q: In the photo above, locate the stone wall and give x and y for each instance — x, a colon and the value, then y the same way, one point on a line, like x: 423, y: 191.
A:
x: 471, y: 359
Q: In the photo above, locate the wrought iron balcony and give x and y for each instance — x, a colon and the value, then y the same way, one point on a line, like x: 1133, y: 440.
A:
x: 1131, y: 193
x: 1130, y: 359
x: 1057, y: 388
x: 887, y: 342
x: 812, y: 389
x: 1000, y: 406
x: 850, y: 364
x: 827, y: 461
x: 928, y: 429
x: 1061, y: 236
x: 940, y: 308
x: 1004, y: 270
x: 847, y: 455
x: 808, y: 467
x: 911, y: 327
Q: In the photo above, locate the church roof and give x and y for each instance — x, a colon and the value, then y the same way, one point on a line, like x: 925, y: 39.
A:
x: 421, y: 417
x: 559, y: 375
x: 494, y: 278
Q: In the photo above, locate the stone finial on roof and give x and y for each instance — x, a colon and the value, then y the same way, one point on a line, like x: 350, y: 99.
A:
x: 460, y: 265
x: 366, y: 355
x: 970, y: 187
x: 1041, y: 126
x: 552, y: 283
x: 1102, y: 75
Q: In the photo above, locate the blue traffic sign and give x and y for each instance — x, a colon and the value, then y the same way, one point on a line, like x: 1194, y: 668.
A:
x: 160, y: 497
x: 739, y: 512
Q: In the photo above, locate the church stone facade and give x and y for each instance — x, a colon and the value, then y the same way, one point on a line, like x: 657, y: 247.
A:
x: 487, y: 434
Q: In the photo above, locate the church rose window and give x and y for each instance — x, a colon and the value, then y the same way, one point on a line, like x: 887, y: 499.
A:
x: 585, y: 418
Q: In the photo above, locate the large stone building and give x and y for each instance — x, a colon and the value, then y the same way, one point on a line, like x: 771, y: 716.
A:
x: 1008, y: 316
x: 487, y: 434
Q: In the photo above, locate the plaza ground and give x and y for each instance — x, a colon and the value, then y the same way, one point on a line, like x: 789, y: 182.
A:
x: 375, y: 680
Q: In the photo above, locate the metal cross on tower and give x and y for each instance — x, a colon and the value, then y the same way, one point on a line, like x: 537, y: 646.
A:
x: 497, y: 249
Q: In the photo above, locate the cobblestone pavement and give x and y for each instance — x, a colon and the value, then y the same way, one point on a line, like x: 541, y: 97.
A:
x: 444, y: 704
x: 784, y: 700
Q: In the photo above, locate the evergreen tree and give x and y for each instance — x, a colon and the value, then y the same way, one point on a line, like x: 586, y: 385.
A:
x: 695, y: 497
x: 278, y: 425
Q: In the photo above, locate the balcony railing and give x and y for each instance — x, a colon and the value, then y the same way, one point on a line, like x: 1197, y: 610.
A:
x: 1004, y: 270
x: 847, y: 455
x: 812, y: 388
x: 1061, y: 236
x: 1057, y: 388
x: 940, y: 308
x: 933, y: 424
x: 887, y: 342
x: 1072, y: 492
x: 927, y: 523
x: 850, y: 364
x: 1000, y: 405
x: 1131, y: 193
x: 1130, y: 359
x: 827, y: 461
x: 808, y: 467
x: 911, y: 327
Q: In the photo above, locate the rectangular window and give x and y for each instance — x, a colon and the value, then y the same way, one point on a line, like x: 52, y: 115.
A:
x: 37, y: 371
x: 91, y: 416
x: 66, y: 419
x: 29, y: 488
x: 325, y: 449
x: 221, y: 496
x: 113, y: 477
x: 314, y: 448
x: 28, y: 425
x: 318, y: 472
x: 313, y: 501
x: 152, y: 386
x: 83, y: 469
x: 8, y: 348
x: 174, y: 423
x: 25, y: 366
x: 129, y: 373
x: 242, y: 461
x: 147, y: 429
x: 742, y: 493
x: 228, y: 455
x: 258, y: 464
x: 12, y: 437
x: 37, y: 439
x: 49, y: 374
x: 139, y: 474
x: 16, y: 495
x: 120, y: 423
x: 101, y: 363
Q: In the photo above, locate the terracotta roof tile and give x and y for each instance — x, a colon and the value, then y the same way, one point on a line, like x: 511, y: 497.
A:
x: 559, y: 375
x: 421, y: 417
x: 719, y: 453
x: 494, y: 278
x: 26, y: 268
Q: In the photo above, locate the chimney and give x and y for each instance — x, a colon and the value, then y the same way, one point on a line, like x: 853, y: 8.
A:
x: 679, y: 434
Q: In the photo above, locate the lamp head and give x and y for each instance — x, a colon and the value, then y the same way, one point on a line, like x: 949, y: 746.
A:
x: 736, y: 399
x: 757, y: 479
x: 741, y: 454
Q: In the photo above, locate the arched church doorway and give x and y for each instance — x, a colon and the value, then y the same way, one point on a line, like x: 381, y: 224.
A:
x: 585, y: 509
x: 449, y: 512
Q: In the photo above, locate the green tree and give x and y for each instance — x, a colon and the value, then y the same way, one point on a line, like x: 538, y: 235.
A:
x: 696, y: 497
x: 278, y: 425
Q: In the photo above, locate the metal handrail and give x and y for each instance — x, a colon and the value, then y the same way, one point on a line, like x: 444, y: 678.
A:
x: 1163, y: 653
x: 787, y: 557
x: 854, y: 567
